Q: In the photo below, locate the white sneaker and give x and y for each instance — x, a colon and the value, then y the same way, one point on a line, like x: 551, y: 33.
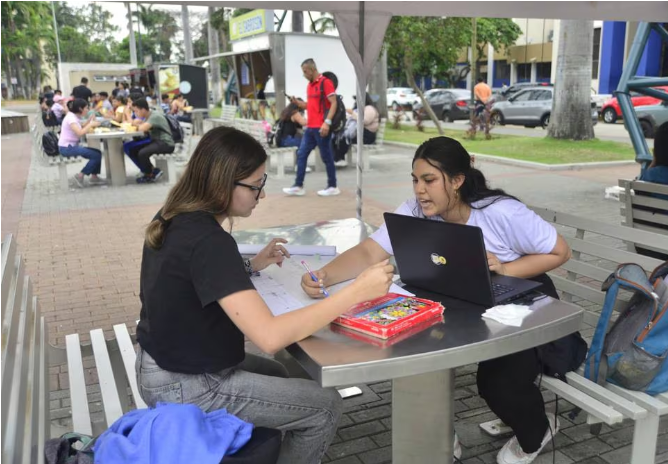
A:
x: 457, y: 448
x: 294, y: 191
x: 341, y: 163
x: 329, y: 192
x: 512, y: 452
x: 308, y: 168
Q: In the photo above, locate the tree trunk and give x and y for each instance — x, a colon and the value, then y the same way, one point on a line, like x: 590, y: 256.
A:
x: 214, y: 65
x: 8, y: 71
x: 571, y: 105
x: 408, y: 66
x: 297, y: 21
x: 378, y: 83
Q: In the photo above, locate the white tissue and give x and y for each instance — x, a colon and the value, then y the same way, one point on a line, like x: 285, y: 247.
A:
x: 510, y: 314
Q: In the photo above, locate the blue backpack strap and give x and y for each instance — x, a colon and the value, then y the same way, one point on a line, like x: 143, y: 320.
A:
x: 631, y: 277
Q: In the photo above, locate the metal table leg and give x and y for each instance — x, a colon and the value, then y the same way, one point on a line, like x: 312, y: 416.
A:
x: 115, y: 161
x: 422, y: 418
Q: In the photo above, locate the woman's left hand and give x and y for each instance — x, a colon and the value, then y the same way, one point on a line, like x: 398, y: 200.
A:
x: 274, y: 253
x: 494, y: 264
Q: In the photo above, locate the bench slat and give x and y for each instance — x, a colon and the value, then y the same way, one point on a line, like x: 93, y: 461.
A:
x: 619, y: 403
x: 80, y: 413
x: 643, y: 186
x: 635, y: 235
x: 648, y: 216
x: 110, y: 399
x: 129, y: 357
x: 580, y: 399
x: 8, y: 260
x: 43, y: 421
x: 652, y: 405
x: 32, y: 386
x: 652, y: 202
x: 585, y: 269
x: 613, y: 254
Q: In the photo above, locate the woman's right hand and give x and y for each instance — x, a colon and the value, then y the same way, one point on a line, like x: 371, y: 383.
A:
x: 311, y: 288
x: 375, y: 281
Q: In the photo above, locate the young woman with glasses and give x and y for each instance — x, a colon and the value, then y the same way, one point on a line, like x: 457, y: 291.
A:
x: 198, y: 303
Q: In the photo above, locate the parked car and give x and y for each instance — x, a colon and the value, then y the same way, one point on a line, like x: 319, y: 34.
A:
x: 401, y: 97
x: 599, y: 99
x: 447, y: 104
x: 651, y: 117
x: 530, y: 107
x: 611, y: 110
x: 513, y: 89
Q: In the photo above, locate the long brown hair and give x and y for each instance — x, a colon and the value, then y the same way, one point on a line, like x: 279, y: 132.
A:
x: 224, y: 156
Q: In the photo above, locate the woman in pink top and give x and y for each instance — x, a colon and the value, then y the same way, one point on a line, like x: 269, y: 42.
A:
x: 68, y: 143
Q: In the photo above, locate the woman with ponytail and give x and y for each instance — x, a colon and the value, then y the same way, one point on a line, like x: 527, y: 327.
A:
x: 198, y: 303
x: 519, y: 243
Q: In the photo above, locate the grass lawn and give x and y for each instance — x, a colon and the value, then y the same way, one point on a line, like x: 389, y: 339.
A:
x: 538, y: 150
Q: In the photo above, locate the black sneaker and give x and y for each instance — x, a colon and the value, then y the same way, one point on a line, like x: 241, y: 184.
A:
x: 157, y: 174
x: 145, y: 180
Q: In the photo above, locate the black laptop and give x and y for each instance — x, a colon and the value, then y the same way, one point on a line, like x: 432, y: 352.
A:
x: 449, y: 259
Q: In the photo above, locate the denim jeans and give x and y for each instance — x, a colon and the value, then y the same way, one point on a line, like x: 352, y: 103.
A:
x: 135, y: 143
x: 310, y: 140
x: 141, y: 154
x: 290, y: 141
x: 257, y: 391
x: 93, y: 156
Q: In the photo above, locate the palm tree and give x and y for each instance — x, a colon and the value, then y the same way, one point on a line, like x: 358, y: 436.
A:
x: 571, y: 105
x: 323, y: 24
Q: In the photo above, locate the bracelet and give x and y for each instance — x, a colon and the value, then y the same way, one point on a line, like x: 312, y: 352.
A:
x: 328, y: 122
x: 248, y: 267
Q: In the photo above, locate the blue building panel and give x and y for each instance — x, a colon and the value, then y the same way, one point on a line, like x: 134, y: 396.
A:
x: 651, y: 58
x: 613, y: 38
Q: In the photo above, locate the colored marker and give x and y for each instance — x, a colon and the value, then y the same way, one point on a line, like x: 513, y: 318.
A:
x: 314, y: 278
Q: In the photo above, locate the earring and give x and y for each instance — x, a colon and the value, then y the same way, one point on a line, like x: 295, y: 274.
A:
x: 457, y: 194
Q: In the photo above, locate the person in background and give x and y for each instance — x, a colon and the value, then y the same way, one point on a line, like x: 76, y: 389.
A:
x: 179, y: 105
x: 117, y: 88
x: 125, y: 89
x: 320, y: 107
x: 165, y: 104
x: 82, y: 91
x: 71, y: 132
x: 106, y: 103
x: 482, y: 93
x: 157, y: 126
x: 292, y: 121
x: 58, y: 108
x: 119, y: 103
x: 371, y: 122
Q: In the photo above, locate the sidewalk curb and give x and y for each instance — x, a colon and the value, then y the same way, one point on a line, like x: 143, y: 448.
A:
x: 531, y: 164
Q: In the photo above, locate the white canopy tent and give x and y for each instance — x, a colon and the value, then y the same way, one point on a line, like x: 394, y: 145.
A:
x: 362, y: 25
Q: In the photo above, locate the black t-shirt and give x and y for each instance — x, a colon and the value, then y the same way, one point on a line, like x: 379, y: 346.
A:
x: 181, y: 325
x: 81, y: 91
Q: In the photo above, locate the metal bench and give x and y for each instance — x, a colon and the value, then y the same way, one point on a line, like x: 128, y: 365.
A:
x: 38, y: 130
x: 227, y: 116
x: 25, y: 358
x: 597, y: 250
x: 277, y: 156
x: 642, y: 209
x: 351, y: 156
x: 167, y: 161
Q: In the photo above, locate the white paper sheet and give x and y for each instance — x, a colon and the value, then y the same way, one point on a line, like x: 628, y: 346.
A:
x: 301, y: 250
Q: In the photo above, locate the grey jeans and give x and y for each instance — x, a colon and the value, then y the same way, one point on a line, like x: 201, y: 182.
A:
x: 257, y: 391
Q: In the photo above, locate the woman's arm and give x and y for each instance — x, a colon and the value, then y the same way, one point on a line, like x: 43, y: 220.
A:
x: 299, y: 119
x: 530, y: 266
x: 85, y: 129
x: 270, y: 333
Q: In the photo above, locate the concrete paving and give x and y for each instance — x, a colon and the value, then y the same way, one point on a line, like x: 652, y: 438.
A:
x: 83, y: 248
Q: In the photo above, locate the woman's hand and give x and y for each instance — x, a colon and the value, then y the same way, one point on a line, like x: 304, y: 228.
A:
x: 274, y: 253
x: 314, y: 289
x: 375, y: 281
x: 495, y: 265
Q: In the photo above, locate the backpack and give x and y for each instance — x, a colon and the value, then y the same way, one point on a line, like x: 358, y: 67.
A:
x: 50, y: 144
x: 175, y: 127
x: 275, y: 135
x: 49, y: 119
x: 339, y: 119
x: 633, y: 353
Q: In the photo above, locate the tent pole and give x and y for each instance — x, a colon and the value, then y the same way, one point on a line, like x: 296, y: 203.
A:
x: 361, y: 98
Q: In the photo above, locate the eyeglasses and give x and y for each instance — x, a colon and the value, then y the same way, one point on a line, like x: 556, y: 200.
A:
x: 254, y: 187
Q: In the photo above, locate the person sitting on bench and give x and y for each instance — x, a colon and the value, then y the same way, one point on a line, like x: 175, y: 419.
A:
x: 198, y: 303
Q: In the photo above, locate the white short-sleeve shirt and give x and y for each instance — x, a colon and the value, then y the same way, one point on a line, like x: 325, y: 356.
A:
x: 509, y: 228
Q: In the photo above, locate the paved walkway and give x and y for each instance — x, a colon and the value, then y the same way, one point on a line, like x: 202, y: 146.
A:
x: 83, y: 250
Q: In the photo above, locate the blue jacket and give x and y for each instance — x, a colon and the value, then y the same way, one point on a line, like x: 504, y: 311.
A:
x: 172, y: 433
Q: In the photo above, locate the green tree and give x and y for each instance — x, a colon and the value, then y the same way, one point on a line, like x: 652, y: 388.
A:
x: 323, y: 24
x: 501, y: 33
x: 425, y: 45
x: 159, y: 27
x: 24, y: 36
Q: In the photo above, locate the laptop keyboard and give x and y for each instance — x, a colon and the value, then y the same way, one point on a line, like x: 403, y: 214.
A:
x: 500, y: 289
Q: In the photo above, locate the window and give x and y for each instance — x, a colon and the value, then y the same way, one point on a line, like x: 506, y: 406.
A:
x: 542, y: 95
x: 596, y: 53
x: 501, y: 69
x: 523, y: 96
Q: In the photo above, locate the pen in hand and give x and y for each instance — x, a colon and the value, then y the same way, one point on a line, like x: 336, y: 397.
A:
x: 314, y: 278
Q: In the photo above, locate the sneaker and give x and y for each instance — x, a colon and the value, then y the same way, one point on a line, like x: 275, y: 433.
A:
x: 457, y: 448
x: 78, y: 180
x: 512, y: 452
x: 145, y: 180
x: 157, y: 174
x: 308, y: 168
x: 329, y: 192
x: 294, y: 191
x: 97, y: 181
x: 341, y: 163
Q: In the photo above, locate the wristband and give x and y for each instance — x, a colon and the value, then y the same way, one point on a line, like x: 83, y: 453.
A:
x: 328, y: 122
x: 249, y: 267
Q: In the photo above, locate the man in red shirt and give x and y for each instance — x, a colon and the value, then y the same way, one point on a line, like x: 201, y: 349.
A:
x: 320, y: 107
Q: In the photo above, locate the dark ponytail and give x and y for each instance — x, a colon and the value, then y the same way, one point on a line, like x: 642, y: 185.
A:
x: 451, y: 158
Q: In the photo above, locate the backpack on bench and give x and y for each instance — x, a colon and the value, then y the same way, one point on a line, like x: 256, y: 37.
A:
x: 633, y: 353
